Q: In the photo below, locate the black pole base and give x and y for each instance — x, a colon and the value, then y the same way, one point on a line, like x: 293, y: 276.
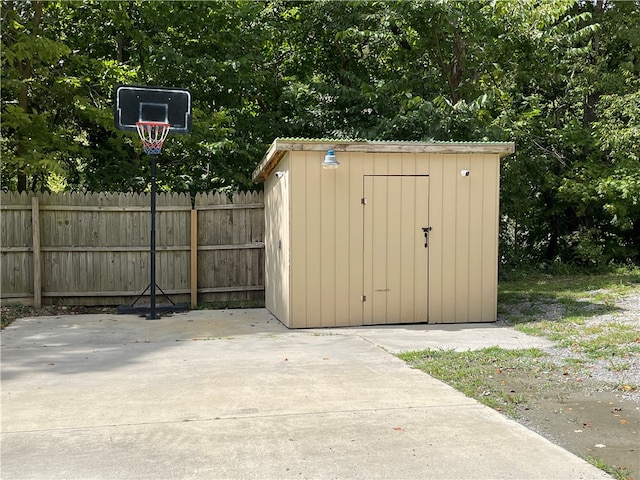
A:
x: 145, y: 310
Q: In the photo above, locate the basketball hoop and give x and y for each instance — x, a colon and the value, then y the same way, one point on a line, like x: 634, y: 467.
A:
x: 153, y: 135
x: 152, y: 112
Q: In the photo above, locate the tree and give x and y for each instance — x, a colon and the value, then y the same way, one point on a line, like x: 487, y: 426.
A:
x: 557, y: 77
x: 30, y: 60
x: 560, y: 56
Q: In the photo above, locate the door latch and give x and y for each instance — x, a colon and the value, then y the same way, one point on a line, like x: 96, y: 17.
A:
x: 426, y: 231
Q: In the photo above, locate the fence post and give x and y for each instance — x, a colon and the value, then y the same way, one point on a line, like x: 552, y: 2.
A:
x: 194, y: 258
x: 37, y: 270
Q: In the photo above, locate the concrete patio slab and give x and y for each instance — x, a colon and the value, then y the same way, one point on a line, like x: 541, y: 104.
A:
x: 234, y: 394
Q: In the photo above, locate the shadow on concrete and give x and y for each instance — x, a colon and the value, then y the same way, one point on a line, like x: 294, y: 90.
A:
x: 67, y: 345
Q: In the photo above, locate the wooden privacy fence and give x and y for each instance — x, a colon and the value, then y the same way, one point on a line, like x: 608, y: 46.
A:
x: 93, y: 249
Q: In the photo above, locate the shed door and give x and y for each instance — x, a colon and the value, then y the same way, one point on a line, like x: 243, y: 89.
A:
x: 395, y: 257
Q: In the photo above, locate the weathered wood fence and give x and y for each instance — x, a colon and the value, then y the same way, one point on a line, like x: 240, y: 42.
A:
x: 93, y: 249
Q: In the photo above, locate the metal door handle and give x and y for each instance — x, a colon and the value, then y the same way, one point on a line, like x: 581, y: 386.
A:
x: 426, y: 231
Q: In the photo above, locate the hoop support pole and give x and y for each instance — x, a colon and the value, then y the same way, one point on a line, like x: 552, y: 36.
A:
x: 152, y: 253
x: 153, y: 135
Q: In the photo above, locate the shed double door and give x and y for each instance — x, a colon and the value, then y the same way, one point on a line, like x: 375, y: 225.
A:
x: 395, y: 257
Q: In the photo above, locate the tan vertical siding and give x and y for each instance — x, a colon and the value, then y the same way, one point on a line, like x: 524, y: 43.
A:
x: 463, y: 238
x: 463, y: 253
x: 325, y: 245
x: 277, y: 220
x: 313, y: 252
x: 436, y: 239
x: 394, y: 247
x: 449, y: 237
x: 327, y: 238
x: 421, y: 254
x: 395, y: 272
x: 375, y: 215
x: 477, y: 219
x: 354, y: 170
x: 306, y: 262
x: 490, y: 238
x: 342, y: 245
x: 298, y: 240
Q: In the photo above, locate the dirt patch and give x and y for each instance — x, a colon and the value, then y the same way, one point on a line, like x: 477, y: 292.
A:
x: 586, y: 417
x: 589, y: 406
x: 11, y: 312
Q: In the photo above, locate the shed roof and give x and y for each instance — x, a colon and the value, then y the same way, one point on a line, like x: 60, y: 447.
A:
x: 282, y: 145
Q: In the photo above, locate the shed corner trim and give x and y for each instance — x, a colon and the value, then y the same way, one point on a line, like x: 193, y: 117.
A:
x: 268, y: 163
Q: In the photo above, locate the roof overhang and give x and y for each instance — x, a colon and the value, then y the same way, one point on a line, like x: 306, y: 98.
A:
x: 280, y: 146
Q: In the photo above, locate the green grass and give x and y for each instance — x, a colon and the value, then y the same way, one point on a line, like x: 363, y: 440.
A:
x: 619, y: 366
x: 558, y: 308
x: 605, y: 288
x: 474, y: 373
x: 602, y: 341
x: 615, y: 472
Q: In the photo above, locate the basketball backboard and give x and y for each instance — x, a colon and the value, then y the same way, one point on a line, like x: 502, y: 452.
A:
x: 153, y: 104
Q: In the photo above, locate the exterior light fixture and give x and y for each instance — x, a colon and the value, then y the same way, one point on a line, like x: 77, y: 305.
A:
x: 330, y: 160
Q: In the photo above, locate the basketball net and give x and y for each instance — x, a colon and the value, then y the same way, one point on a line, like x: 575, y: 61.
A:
x: 153, y: 135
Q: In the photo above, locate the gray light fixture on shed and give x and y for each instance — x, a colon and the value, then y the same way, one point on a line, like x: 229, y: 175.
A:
x: 330, y: 160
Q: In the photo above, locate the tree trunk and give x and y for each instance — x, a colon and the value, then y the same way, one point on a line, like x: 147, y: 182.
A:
x: 552, y: 246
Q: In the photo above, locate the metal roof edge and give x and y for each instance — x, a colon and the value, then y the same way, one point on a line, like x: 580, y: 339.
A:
x: 379, y: 141
x: 282, y: 145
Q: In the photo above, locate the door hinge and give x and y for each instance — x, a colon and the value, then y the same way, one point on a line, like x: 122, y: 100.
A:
x: 363, y: 298
x: 363, y: 201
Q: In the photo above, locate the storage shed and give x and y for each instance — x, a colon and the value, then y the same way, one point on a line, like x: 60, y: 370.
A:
x: 391, y: 232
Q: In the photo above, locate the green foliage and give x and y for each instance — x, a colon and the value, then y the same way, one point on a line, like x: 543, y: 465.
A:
x: 571, y: 283
x: 570, y: 192
x: 560, y: 78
